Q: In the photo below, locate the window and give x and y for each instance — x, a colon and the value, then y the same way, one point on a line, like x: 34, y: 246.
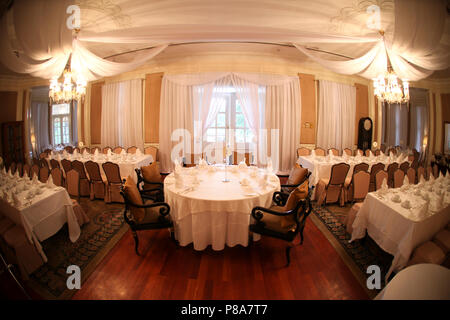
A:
x: 230, y: 126
x: 61, y: 123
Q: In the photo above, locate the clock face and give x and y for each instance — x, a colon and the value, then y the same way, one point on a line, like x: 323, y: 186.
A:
x: 367, y: 125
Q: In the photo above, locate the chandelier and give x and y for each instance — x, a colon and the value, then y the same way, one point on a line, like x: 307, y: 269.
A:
x: 71, y: 87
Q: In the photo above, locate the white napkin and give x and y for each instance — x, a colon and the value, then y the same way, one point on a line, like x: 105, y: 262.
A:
x: 75, y: 152
x: 330, y: 153
x: 16, y: 200
x: 313, y: 152
x: 35, y: 179
x: 4, y: 170
x: 123, y: 152
x: 244, y: 182
x: 422, y: 179
x: 405, y: 180
x: 64, y: 153
x: 50, y: 182
x: 85, y: 153
x: 431, y: 177
x: 25, y: 175
x: 109, y: 152
x: 16, y: 175
x: 9, y: 172
x: 242, y: 165
x: 138, y: 152
x: 58, y: 157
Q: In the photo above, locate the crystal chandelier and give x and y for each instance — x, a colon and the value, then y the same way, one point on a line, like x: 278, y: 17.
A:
x: 73, y: 87
x: 388, y: 89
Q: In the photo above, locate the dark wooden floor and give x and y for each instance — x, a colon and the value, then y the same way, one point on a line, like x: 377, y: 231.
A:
x: 167, y: 271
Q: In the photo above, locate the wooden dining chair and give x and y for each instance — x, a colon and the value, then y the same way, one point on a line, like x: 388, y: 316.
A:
x: 84, y: 181
x: 114, y: 182
x: 142, y: 213
x: 77, y: 150
x: 117, y: 150
x: 361, y: 167
x: 153, y: 151
x: 54, y: 163
x: 57, y: 177
x: 105, y: 150
x: 330, y: 190
x: 43, y: 163
x: 358, y: 187
x: 26, y: 169
x: 377, y: 152
x: 19, y: 168
x: 67, y: 165
x: 359, y: 152
x: 296, y: 177
x: 149, y: 178
x: 399, y: 176
x: 420, y: 173
x: 97, y: 184
x: 303, y: 152
x: 348, y: 152
x: 383, y: 148
x: 238, y: 157
x: 411, y: 174
x: 132, y: 150
x: 43, y: 174
x: 286, y: 219
x: 99, y: 150
x: 373, y: 171
x: 319, y: 151
x: 379, y: 177
x: 35, y: 161
x: 404, y: 167
x: 34, y: 171
x: 367, y: 152
x: 73, y: 183
x: 82, y: 150
x: 334, y: 151
x: 12, y: 167
x: 390, y: 170
x: 43, y: 155
x: 69, y: 149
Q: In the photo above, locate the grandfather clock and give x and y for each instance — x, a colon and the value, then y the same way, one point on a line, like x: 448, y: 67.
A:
x: 13, y: 142
x: 365, y: 133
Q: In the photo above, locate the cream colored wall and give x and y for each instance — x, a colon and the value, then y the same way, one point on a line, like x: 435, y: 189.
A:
x: 255, y: 58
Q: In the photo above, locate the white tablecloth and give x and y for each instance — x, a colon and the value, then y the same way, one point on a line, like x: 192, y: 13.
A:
x: 320, y: 167
x: 216, y: 213
x: 418, y: 282
x: 43, y: 215
x: 398, y: 230
x: 126, y: 165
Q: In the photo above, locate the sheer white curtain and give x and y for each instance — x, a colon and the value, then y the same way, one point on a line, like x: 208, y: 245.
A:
x: 418, y: 117
x: 190, y: 103
x: 336, y: 121
x: 121, y: 122
x: 39, y: 126
x: 395, y: 124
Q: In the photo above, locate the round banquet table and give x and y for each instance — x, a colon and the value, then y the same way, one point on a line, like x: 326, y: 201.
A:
x: 418, y: 282
x: 207, y: 211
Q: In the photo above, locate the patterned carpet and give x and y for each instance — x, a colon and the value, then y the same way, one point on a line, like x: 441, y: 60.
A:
x: 105, y: 228
x: 364, y: 252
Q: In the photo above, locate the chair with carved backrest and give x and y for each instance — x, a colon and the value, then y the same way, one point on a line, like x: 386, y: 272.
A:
x: 57, y: 177
x: 330, y: 190
x: 420, y: 173
x: 349, y: 181
x: 67, y: 165
x: 54, y: 163
x: 85, y: 149
x: 132, y: 150
x: 105, y: 150
x: 399, y: 177
x: 142, y: 213
x: 19, y: 168
x: 296, y: 177
x: 34, y: 171
x: 43, y: 174
x: 69, y: 149
x: 85, y: 188
x: 238, y: 157
x: 93, y: 149
x: 286, y: 219
x: 98, y: 185
x: 114, y: 182
x: 43, y: 163
x: 153, y: 151
x: 12, y: 167
x: 334, y: 151
x: 73, y: 183
x: 303, y: 152
x: 117, y: 150
x: 149, y: 177
x: 404, y: 167
x: 377, y: 152
x: 373, y: 171
x: 319, y: 151
x: 412, y: 176
x: 391, y: 170
x: 380, y: 176
x: 347, y: 151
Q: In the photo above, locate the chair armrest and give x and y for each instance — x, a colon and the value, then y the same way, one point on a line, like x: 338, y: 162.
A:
x: 257, y: 212
x: 163, y: 211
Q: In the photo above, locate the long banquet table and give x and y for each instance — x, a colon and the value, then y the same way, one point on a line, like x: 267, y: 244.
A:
x: 42, y: 210
x: 207, y: 211
x: 320, y: 166
x: 127, y: 163
x: 398, y: 228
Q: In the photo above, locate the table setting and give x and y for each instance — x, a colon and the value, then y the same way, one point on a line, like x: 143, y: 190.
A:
x: 209, y: 209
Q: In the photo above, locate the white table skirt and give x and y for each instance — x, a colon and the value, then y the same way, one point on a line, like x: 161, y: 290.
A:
x: 44, y: 217
x: 126, y: 167
x: 391, y: 227
x: 216, y: 213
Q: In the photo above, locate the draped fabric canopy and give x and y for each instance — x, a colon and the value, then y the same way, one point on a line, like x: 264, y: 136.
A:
x: 38, y: 41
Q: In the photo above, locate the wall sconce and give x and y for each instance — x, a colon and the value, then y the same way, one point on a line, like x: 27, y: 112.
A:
x: 307, y: 125
x: 375, y: 144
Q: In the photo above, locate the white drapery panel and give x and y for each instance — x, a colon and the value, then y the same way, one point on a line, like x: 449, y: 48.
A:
x: 39, y: 126
x: 419, y: 113
x: 395, y: 124
x: 121, y: 122
x: 336, y: 119
x: 188, y: 99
